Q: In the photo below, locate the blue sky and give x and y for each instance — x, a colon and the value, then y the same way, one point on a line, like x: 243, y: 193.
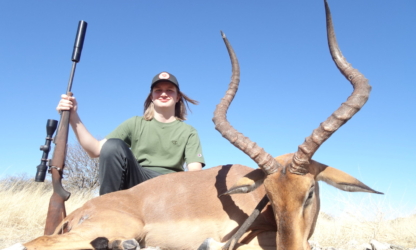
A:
x: 289, y: 83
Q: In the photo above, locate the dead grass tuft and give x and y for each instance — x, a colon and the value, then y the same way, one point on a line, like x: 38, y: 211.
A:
x: 362, y: 221
x: 24, y: 204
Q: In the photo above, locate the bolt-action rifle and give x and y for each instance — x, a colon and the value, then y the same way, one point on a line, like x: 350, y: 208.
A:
x: 56, y: 210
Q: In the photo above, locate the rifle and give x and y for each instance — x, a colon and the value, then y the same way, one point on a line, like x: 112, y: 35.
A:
x: 56, y: 210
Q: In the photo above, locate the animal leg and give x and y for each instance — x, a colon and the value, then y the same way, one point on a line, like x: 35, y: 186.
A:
x: 99, y: 243
x: 60, y: 242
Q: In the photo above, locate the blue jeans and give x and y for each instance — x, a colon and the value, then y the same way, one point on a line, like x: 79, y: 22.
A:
x: 119, y: 169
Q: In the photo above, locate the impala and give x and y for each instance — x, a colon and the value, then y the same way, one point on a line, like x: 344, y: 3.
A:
x: 182, y: 210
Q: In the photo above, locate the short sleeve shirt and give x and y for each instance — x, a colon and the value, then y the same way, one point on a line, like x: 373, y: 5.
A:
x: 162, y: 147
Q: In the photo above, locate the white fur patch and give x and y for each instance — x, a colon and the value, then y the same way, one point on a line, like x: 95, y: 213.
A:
x: 17, y: 246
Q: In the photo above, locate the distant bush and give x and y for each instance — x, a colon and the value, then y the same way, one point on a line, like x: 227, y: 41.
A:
x: 81, y: 171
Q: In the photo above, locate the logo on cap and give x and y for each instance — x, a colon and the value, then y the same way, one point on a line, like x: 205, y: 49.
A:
x: 164, y: 75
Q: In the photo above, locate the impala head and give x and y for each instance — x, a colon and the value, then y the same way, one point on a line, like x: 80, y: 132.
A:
x: 291, y: 180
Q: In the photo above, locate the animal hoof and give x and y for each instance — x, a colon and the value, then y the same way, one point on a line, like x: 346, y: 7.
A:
x: 101, y: 243
x: 131, y: 244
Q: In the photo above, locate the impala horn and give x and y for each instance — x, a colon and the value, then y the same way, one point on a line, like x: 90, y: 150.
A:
x: 353, y: 104
x: 265, y: 161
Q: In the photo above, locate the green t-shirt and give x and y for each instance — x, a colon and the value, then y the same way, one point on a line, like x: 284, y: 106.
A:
x: 162, y: 147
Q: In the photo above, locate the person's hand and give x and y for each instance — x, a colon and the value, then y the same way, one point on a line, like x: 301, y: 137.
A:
x: 67, y: 103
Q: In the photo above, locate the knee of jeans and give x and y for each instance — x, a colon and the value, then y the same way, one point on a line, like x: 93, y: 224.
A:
x: 111, y: 147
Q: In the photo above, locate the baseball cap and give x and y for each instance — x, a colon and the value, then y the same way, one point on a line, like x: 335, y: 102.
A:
x: 166, y: 77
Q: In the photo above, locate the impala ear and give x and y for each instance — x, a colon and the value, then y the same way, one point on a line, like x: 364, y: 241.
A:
x: 342, y: 180
x: 247, y: 183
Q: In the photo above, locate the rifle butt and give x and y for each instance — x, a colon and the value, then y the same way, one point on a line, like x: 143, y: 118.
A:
x: 56, y: 213
x: 56, y: 210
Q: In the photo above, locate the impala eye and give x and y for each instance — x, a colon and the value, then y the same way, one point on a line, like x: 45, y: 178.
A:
x: 310, y: 196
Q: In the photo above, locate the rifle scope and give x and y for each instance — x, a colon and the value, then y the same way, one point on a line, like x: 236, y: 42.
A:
x: 43, y: 166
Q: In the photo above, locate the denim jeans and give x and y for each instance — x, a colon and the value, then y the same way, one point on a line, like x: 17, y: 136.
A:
x: 119, y: 169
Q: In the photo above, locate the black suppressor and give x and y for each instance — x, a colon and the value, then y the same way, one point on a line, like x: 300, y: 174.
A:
x: 79, y: 41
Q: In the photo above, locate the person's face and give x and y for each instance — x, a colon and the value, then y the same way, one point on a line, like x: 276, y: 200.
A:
x: 165, y: 94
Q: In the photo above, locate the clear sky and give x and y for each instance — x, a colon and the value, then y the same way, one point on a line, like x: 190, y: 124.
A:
x: 289, y: 83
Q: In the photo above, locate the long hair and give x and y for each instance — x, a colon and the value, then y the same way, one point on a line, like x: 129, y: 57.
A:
x: 180, y: 107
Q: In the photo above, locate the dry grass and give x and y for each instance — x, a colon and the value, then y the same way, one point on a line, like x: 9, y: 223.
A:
x: 24, y: 204
x: 340, y: 232
x: 360, y: 221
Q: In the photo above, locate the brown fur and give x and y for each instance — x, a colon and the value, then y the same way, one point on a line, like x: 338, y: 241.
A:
x: 174, y: 211
x: 181, y: 210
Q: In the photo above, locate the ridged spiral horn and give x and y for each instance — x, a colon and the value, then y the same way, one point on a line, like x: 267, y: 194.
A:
x: 264, y: 160
x: 353, y: 104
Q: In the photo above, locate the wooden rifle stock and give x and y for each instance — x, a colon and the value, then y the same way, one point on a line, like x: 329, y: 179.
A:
x: 56, y: 210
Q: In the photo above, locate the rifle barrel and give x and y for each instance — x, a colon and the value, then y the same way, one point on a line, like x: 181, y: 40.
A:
x: 56, y: 210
